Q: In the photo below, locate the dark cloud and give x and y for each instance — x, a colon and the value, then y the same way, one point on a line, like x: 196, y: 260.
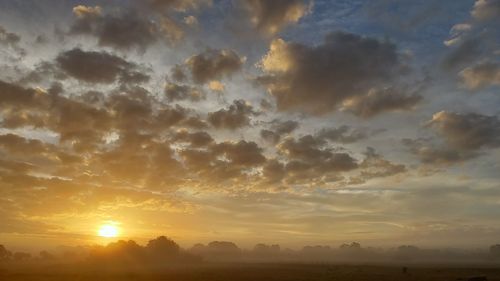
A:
x: 177, y: 73
x: 43, y: 71
x: 124, y: 31
x: 99, y: 67
x: 377, y: 101
x: 237, y: 115
x: 214, y: 64
x: 176, y: 92
x: 15, y: 95
x: 269, y: 17
x: 223, y: 164
x: 486, y: 10
x: 310, y: 157
x: 240, y: 153
x: 317, y: 79
x: 196, y: 139
x: 465, y: 53
x: 464, y: 137
x: 273, y: 171
x: 481, y: 75
x: 473, y: 47
x: 343, y: 134
x: 270, y: 136
x: 117, y: 131
x: 19, y: 145
x: 430, y: 153
x: 8, y: 38
x: 375, y: 166
x: 470, y: 131
x: 278, y: 129
x: 11, y: 40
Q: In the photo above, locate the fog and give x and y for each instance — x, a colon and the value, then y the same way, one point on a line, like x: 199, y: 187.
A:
x: 163, y: 251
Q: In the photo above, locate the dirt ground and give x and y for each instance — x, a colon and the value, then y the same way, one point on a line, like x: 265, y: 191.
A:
x: 247, y: 272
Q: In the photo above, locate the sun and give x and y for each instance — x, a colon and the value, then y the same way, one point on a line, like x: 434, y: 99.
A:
x: 108, y: 231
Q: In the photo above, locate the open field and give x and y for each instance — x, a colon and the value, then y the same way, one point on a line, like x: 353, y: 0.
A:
x: 249, y: 272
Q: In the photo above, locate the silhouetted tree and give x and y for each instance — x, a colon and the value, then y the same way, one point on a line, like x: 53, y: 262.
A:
x: 44, y: 255
x: 162, y: 248
x: 222, y: 248
x: 155, y: 253
x: 118, y: 252
x: 408, y: 249
x: 266, y: 250
x: 353, y: 245
x: 198, y: 248
x: 495, y: 251
x: 4, y: 253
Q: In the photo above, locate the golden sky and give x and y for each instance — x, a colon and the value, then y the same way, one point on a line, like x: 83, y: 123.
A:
x: 295, y: 122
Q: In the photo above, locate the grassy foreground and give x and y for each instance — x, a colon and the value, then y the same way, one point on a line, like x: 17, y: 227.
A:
x: 246, y: 272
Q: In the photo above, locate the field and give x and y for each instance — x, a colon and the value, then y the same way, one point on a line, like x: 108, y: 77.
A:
x: 247, y: 272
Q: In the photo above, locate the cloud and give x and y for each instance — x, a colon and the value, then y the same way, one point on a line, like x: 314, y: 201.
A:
x: 196, y: 139
x: 278, y: 130
x: 486, y: 10
x: 237, y: 115
x: 469, y: 131
x: 343, y: 134
x: 273, y: 171
x: 317, y: 79
x: 15, y: 95
x: 476, y: 40
x: 240, y: 153
x: 87, y: 126
x: 177, y: 73
x: 269, y: 17
x: 465, y: 53
x: 216, y: 86
x: 214, y: 64
x: 128, y: 30
x: 177, y: 92
x: 11, y: 40
x: 99, y: 67
x: 377, y: 101
x: 310, y: 161
x: 225, y: 164
x: 481, y: 75
x: 431, y: 154
x: 15, y: 144
x: 122, y: 32
x: 463, y: 136
x: 375, y: 166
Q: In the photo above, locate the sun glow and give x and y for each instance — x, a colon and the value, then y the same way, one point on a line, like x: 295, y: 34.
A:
x: 108, y: 231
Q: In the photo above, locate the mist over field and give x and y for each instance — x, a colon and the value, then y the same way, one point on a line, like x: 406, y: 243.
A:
x: 163, y: 251
x: 163, y: 259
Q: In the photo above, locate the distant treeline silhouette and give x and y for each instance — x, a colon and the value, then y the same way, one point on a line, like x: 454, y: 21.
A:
x: 163, y: 251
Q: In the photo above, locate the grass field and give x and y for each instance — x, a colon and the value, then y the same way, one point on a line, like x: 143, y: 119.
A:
x: 246, y: 272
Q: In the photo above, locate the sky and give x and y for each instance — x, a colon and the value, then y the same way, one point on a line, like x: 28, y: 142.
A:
x: 295, y: 122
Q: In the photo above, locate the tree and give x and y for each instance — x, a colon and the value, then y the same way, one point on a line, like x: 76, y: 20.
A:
x: 495, y: 251
x: 44, y: 255
x: 4, y: 253
x: 353, y: 245
x: 163, y: 247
